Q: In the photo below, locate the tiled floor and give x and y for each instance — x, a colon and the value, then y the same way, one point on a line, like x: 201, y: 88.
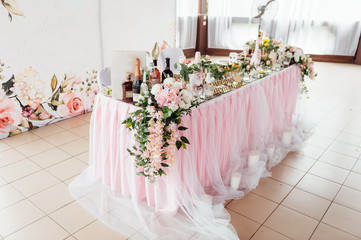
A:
x: 313, y: 194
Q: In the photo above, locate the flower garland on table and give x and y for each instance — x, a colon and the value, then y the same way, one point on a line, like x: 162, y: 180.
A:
x: 156, y: 126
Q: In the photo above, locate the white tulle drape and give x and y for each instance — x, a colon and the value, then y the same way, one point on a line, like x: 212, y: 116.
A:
x: 187, y: 19
x: 190, y: 198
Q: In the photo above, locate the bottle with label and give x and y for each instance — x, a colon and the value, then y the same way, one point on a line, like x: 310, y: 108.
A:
x: 154, y: 78
x: 136, y: 82
x: 144, y: 85
x: 155, y: 62
x: 167, y: 72
x: 128, y: 88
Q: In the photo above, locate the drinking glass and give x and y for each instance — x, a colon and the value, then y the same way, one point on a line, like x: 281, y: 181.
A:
x: 233, y: 57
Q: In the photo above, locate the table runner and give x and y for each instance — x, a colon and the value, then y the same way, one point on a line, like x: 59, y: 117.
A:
x: 190, y: 197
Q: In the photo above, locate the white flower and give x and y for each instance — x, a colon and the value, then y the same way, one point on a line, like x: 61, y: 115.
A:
x: 297, y: 57
x: 281, y: 50
x: 178, y: 84
x: 273, y: 56
x: 186, y: 95
x: 289, y: 54
x: 174, y: 107
x: 156, y: 89
x: 169, y: 81
x: 184, y: 105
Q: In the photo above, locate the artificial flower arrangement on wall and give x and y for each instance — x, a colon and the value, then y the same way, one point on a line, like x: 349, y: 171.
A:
x: 24, y: 104
x: 157, y: 123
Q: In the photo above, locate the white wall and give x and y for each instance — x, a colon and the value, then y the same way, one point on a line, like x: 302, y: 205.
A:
x: 58, y: 36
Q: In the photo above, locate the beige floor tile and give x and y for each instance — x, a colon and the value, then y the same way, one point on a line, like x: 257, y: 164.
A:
x: 97, y: 230
x: 306, y: 203
x: 10, y: 156
x: 318, y: 141
x: 349, y: 139
x: 87, y: 138
x: 357, y: 167
x: 21, y: 139
x: 265, y: 233
x: 84, y: 157
x: 335, y: 125
x: 326, y: 132
x: 326, y: 232
x: 50, y: 157
x: 18, y: 216
x: 2, y: 182
x: 67, y: 169
x: 298, y: 161
x: 287, y: 174
x: 349, y: 197
x: 65, y: 217
x: 76, y: 147
x: 254, y: 207
x: 71, y: 123
x: 46, y: 131
x: 319, y: 186
x: 62, y: 138
x: 245, y: 227
x: 18, y: 170
x: 347, y: 149
x: 43, y: 229
x: 343, y: 218
x: 38, y: 146
x: 338, y: 159
x: 139, y: 236
x: 52, y: 198
x: 312, y: 151
x: 35, y: 183
x: 272, y: 189
x: 85, y: 117
x: 3, y: 146
x: 69, y: 180
x: 70, y: 238
x: 81, y: 131
x: 291, y: 223
x: 9, y: 195
x: 353, y: 181
x: 329, y: 172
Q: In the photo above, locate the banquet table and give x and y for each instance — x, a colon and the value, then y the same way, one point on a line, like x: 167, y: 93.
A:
x: 221, y: 131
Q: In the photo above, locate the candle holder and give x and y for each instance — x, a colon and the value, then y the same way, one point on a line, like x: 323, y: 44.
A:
x: 253, y: 160
x: 287, y: 138
x: 236, y: 180
x: 270, y: 150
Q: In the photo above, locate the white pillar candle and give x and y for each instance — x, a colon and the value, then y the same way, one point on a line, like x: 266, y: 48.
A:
x: 270, y: 150
x: 236, y: 180
x: 287, y: 138
x: 253, y: 160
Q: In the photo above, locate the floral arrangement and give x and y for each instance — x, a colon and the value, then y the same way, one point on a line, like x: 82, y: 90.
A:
x: 246, y: 66
x: 156, y: 126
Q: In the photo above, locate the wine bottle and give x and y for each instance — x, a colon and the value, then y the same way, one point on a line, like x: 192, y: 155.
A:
x: 128, y: 88
x: 155, y: 62
x: 167, y: 72
x: 136, y: 82
x: 154, y: 77
x: 144, y: 85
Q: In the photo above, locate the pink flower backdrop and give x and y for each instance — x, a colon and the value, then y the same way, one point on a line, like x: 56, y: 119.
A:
x: 27, y: 101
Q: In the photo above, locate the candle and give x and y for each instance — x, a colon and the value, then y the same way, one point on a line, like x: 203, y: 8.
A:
x: 253, y: 160
x: 236, y: 180
x: 270, y: 150
x: 287, y: 138
x: 197, y: 57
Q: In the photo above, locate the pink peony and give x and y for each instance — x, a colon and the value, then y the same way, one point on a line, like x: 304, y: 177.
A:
x: 44, y: 115
x: 167, y: 97
x: 10, y: 116
x: 72, y: 104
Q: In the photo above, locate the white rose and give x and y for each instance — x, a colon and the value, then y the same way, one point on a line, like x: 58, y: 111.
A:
x: 155, y: 89
x: 186, y: 95
x: 188, y: 105
x: 296, y: 57
x: 182, y: 104
x: 169, y: 81
x: 174, y: 107
x: 289, y: 54
x: 178, y: 84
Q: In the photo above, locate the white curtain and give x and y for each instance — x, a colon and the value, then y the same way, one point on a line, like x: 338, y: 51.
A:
x: 187, y: 18
x: 319, y: 27
x: 219, y: 23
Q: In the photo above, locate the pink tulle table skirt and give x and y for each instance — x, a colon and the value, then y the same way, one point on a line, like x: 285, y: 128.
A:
x: 221, y: 131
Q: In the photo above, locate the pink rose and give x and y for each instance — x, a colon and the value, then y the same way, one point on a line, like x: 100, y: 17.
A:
x: 72, y: 104
x: 44, y: 115
x: 33, y: 117
x: 167, y: 86
x: 167, y: 97
x: 184, y: 86
x: 152, y: 108
x: 187, y: 61
x: 291, y: 50
x: 268, y: 62
x: 207, y: 57
x: 10, y: 116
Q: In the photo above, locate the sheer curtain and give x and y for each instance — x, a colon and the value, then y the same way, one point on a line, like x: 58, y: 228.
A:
x: 187, y: 18
x: 319, y: 27
x: 219, y: 23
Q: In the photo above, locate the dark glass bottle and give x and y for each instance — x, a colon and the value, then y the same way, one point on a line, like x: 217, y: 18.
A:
x: 128, y: 88
x: 158, y: 77
x: 167, y: 72
x: 137, y: 81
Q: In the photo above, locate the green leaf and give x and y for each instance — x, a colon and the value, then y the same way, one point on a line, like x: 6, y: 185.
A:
x: 163, y: 155
x: 164, y: 165
x: 184, y: 145
x: 178, y: 144
x: 140, y: 173
x: 178, y: 121
x: 53, y: 83
x: 185, y: 140
x: 181, y: 128
x: 129, y: 124
x: 8, y: 85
